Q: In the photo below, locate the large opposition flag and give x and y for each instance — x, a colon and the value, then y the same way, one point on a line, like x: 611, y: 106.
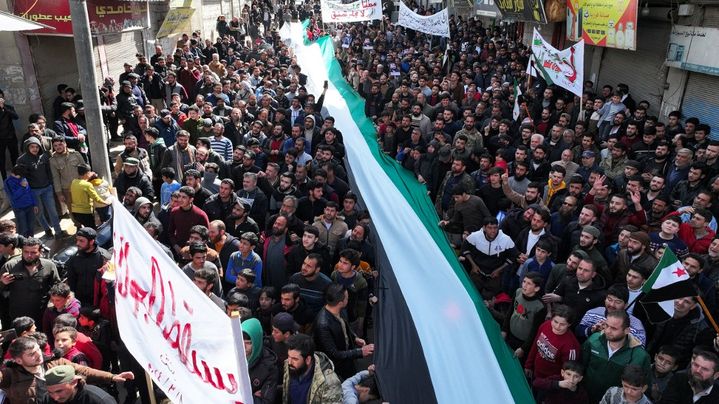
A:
x: 564, y: 68
x: 177, y: 334
x: 435, y: 340
x: 669, y: 281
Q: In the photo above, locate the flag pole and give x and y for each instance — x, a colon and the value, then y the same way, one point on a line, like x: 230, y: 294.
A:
x: 708, y: 314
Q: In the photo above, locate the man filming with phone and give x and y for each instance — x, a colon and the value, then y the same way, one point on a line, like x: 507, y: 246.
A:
x: 28, y: 279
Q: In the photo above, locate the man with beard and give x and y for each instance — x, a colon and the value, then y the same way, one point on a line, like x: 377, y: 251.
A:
x: 582, y: 291
x: 257, y: 200
x: 309, y: 373
x: 637, y: 255
x: 589, y: 242
x: 561, y: 271
x: 681, y: 330
x: 605, y: 355
x: 532, y: 194
x: 539, y: 166
x: 131, y: 176
x: 285, y: 186
x: 519, y: 181
x: 331, y: 228
x: 617, y: 214
x: 697, y: 384
x: 656, y: 189
x: 310, y: 244
x: 27, y: 280
x: 193, y: 179
x: 312, y: 282
x: 219, y: 206
x: 239, y: 222
x: 131, y: 150
x: 467, y: 214
x: 180, y: 154
x: 456, y: 175
x: 82, y: 267
x: 587, y: 216
x: 474, y: 137
x: 291, y: 302
x: 563, y: 216
x: 334, y: 335
x: 276, y: 247
x: 221, y: 241
x: 295, y: 226
x: 660, y: 164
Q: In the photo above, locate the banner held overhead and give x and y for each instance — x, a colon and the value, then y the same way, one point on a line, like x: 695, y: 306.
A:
x: 435, y: 24
x: 564, y: 68
x: 360, y: 10
x: 178, y: 335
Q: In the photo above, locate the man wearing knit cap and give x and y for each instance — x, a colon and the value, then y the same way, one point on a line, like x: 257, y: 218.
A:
x: 63, y: 386
x: 588, y: 240
x: 637, y: 254
x: 283, y: 326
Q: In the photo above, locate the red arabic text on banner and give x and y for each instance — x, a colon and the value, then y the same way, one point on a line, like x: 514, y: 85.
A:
x: 106, y: 16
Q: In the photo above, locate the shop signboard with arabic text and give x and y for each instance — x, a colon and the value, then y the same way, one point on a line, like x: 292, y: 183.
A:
x: 694, y: 49
x: 612, y: 24
x: 523, y: 10
x: 106, y: 16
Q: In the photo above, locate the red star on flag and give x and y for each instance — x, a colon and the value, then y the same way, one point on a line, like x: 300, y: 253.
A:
x: 680, y: 272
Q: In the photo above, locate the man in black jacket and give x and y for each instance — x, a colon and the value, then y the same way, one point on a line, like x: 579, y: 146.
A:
x: 699, y: 381
x: 334, y: 336
x: 82, y: 267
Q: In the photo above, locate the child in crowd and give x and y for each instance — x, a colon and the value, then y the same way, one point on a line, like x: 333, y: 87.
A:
x: 634, y: 384
x: 169, y: 185
x: 528, y: 313
x: 65, y: 341
x: 564, y: 388
x: 268, y: 298
x: 665, y: 363
x: 540, y: 263
x: 22, y: 200
x: 94, y: 326
x: 62, y: 301
x: 245, y: 284
x: 554, y: 344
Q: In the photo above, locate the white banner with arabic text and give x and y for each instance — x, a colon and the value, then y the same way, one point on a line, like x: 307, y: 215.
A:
x: 435, y: 24
x: 178, y: 335
x: 564, y: 68
x: 360, y: 10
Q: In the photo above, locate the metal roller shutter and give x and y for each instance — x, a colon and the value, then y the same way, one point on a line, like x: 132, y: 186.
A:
x: 118, y: 49
x: 642, y: 70
x: 701, y: 100
x: 211, y: 9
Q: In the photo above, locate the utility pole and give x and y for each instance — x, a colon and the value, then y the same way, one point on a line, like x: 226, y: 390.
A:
x: 90, y: 93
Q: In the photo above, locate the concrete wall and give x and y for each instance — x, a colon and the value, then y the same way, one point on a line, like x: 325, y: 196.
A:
x: 15, y: 79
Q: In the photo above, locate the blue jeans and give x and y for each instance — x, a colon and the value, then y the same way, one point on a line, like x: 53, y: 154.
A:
x: 25, y: 220
x: 104, y: 213
x: 45, y: 198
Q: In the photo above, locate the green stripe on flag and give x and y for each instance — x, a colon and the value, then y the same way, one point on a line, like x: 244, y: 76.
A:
x: 538, y: 66
x: 416, y: 195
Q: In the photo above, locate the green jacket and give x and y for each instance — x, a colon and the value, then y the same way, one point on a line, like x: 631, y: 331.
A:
x: 601, y: 372
x: 326, y: 387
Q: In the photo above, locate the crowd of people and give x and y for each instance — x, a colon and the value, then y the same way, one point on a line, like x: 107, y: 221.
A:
x: 559, y: 214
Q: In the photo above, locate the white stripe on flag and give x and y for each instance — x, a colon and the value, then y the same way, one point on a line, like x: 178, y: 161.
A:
x: 673, y: 273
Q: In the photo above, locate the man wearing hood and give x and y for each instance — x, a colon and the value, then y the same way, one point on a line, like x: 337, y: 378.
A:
x: 143, y: 211
x: 311, y: 132
x: 37, y: 166
x: 261, y: 363
x: 308, y: 376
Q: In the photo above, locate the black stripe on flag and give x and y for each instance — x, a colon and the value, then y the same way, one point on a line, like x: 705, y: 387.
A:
x: 670, y: 292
